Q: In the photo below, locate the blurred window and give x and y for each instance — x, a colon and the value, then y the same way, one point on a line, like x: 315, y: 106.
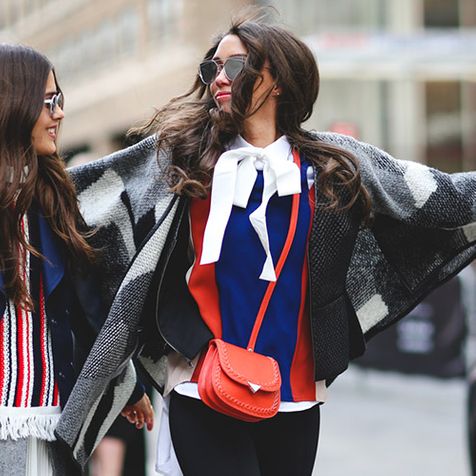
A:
x: 163, y: 17
x: 82, y: 53
x: 97, y: 47
x: 128, y: 24
x: 29, y: 6
x: 468, y: 102
x: 444, y: 148
x: 309, y: 16
x: 340, y: 108
x: 106, y: 39
x: 3, y: 15
x: 441, y: 13
x: 15, y: 11
x: 467, y: 13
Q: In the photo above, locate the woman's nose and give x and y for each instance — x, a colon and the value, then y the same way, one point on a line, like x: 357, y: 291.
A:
x: 59, y: 113
x: 221, y: 78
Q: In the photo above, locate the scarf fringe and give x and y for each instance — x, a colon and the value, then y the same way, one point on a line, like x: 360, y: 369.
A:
x: 38, y: 426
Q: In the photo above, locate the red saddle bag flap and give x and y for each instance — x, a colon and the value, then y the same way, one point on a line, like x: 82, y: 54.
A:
x: 247, y: 367
x: 239, y: 383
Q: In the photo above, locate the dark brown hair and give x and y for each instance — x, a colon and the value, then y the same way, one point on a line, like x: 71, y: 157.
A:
x: 195, y: 132
x: 25, y: 177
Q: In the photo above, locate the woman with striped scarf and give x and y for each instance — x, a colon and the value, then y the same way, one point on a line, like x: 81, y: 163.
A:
x: 50, y: 309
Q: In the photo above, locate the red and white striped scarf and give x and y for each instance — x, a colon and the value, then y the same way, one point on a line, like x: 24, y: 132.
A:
x: 29, y: 398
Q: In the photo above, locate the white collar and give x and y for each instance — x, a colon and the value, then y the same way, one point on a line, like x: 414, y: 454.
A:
x: 280, y: 148
x: 234, y: 176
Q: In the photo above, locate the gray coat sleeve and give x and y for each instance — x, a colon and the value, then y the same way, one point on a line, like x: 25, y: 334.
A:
x: 422, y: 233
x: 412, y: 192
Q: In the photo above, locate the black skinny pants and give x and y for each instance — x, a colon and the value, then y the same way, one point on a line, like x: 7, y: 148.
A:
x: 208, y: 443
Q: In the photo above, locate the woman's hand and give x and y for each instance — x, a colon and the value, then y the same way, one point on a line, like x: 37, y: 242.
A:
x: 139, y: 413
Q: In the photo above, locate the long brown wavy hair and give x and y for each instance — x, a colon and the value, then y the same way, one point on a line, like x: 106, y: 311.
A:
x: 23, y: 77
x: 195, y: 132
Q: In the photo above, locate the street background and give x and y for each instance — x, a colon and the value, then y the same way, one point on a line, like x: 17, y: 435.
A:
x: 387, y: 424
x: 400, y: 74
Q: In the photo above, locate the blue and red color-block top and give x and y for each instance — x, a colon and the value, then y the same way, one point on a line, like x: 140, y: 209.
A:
x: 229, y: 292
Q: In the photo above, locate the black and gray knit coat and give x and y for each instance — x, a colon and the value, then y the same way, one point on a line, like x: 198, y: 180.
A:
x: 361, y: 279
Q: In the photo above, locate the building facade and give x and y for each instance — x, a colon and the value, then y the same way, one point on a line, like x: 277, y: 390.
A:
x: 116, y: 60
x: 401, y: 75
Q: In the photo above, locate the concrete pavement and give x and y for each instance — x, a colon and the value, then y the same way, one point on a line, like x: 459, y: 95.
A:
x: 387, y: 424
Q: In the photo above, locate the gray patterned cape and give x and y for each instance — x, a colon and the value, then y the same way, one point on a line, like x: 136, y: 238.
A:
x: 424, y: 233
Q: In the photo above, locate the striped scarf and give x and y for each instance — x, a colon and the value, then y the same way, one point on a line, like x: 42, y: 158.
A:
x: 29, y: 398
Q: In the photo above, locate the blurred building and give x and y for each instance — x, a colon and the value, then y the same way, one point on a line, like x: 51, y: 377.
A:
x: 116, y: 59
x: 401, y: 75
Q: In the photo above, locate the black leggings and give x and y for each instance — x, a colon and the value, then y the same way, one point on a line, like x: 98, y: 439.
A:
x: 208, y: 443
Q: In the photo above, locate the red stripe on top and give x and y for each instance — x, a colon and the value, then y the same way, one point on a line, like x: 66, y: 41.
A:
x: 302, y: 367
x: 201, y: 276
x: 44, y: 350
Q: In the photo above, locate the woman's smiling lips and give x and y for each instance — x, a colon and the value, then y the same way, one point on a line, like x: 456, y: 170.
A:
x: 52, y: 132
x: 222, y: 95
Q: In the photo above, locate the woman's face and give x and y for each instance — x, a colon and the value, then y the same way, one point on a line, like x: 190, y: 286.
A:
x: 229, y: 46
x: 220, y: 89
x: 45, y: 130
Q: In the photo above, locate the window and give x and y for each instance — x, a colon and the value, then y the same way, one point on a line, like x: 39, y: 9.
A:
x: 128, y: 27
x: 444, y: 125
x: 163, y: 16
x: 310, y: 16
x: 15, y: 11
x: 441, y: 13
x: 99, y: 46
x: 3, y: 15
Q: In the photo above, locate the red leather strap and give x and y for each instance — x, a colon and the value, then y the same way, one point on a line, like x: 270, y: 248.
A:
x: 282, y: 259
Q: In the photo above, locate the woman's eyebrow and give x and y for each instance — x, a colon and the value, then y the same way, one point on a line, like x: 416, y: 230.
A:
x: 230, y: 56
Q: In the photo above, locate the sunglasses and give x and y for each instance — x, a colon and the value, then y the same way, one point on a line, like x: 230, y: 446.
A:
x: 210, y: 69
x: 54, y: 102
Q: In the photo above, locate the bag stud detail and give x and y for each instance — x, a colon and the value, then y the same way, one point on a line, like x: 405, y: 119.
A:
x: 254, y: 387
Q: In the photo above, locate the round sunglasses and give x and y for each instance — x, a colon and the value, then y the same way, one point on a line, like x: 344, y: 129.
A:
x: 210, y: 69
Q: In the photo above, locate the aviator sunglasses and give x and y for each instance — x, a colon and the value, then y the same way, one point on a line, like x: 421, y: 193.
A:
x: 54, y: 102
x: 210, y: 69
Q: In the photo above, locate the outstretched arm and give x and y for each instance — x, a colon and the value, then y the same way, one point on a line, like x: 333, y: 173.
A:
x: 411, y: 192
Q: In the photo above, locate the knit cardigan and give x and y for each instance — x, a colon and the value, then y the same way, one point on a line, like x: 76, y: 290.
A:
x: 424, y: 232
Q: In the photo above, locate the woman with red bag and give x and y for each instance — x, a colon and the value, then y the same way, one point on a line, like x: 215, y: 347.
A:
x: 237, y: 232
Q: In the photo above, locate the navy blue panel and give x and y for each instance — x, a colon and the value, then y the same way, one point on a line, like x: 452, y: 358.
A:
x: 51, y: 249
x: 240, y: 289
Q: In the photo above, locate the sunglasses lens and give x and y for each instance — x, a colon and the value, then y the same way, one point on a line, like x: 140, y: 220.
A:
x: 208, y: 71
x: 233, y: 67
x: 55, y: 101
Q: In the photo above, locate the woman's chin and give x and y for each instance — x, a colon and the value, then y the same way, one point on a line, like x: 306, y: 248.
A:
x: 224, y: 106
